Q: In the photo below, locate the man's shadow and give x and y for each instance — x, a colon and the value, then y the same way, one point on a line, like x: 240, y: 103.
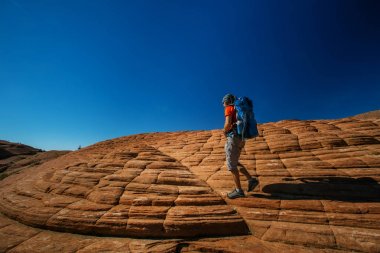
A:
x: 363, y: 189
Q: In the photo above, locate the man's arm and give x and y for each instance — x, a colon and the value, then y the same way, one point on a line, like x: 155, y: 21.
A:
x: 228, y: 124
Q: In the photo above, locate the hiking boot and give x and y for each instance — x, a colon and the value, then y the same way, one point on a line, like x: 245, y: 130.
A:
x: 236, y: 194
x: 252, y: 183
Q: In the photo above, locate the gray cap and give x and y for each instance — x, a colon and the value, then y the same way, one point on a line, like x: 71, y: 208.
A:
x: 229, y: 99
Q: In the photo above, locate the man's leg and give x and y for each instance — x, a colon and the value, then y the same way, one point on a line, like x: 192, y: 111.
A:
x: 232, y: 162
x: 233, y: 148
x: 245, y: 172
x: 252, y: 182
x: 238, y: 192
x: 236, y: 177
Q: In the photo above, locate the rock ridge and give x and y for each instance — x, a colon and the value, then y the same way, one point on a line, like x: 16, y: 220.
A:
x: 319, y: 192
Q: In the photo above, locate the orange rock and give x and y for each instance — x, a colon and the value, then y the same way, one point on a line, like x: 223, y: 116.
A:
x: 318, y: 191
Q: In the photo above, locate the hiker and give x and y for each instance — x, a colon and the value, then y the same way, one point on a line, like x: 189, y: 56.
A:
x: 234, y: 145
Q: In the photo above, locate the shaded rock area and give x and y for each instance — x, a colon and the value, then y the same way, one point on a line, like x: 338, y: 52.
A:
x: 9, y: 149
x: 166, y: 192
x: 15, y: 157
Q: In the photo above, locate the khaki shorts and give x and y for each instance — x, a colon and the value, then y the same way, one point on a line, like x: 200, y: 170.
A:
x: 233, y: 148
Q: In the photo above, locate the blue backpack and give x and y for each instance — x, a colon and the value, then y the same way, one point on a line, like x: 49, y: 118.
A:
x: 246, y: 122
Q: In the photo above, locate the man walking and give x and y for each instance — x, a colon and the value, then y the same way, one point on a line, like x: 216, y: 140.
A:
x: 234, y: 145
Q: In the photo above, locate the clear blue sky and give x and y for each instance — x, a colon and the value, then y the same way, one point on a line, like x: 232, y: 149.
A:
x: 75, y: 72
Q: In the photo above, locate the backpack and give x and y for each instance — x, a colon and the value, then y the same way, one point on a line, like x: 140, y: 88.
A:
x: 246, y: 122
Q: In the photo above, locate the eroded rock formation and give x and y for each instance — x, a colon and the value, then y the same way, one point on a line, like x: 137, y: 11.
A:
x: 16, y: 156
x: 319, y: 191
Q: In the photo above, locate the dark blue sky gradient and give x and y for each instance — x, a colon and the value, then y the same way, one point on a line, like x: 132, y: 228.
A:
x: 75, y: 72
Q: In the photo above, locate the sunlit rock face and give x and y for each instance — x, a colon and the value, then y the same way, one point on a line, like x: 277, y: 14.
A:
x: 319, y: 189
x: 123, y: 187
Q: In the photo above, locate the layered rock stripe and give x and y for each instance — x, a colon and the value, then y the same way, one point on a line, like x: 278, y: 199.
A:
x: 319, y: 191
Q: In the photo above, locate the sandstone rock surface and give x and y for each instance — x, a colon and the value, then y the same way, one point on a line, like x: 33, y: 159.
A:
x: 9, y: 149
x: 15, y: 157
x: 166, y: 192
x: 368, y: 115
